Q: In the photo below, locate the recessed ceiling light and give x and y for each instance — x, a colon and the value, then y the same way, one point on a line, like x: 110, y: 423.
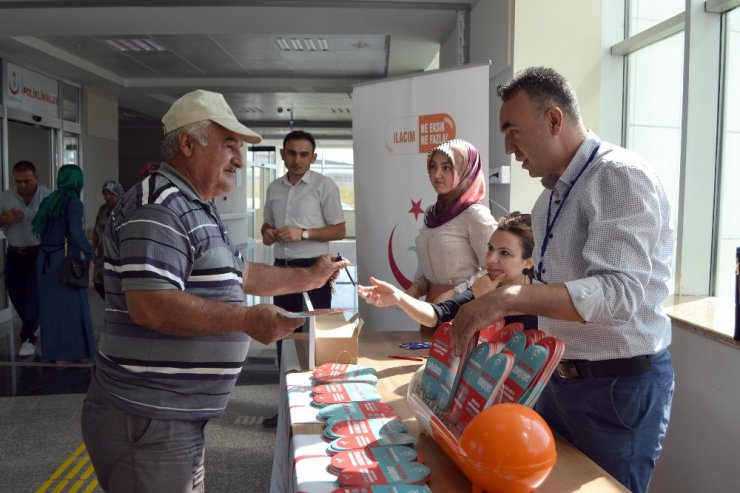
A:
x: 135, y: 44
x: 282, y: 44
x: 115, y: 44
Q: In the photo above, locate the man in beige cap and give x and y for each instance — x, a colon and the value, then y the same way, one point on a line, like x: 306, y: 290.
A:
x: 177, y: 329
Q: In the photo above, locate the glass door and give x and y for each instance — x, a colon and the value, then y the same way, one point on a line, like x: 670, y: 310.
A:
x: 6, y: 312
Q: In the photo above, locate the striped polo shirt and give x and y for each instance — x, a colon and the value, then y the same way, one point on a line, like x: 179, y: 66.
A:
x: 162, y: 235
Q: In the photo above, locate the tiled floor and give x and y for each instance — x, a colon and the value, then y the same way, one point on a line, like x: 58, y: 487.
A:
x: 40, y: 443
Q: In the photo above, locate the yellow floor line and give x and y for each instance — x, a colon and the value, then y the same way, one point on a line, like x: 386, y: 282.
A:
x: 79, y: 471
x: 88, y: 472
x: 60, y: 486
x: 76, y: 486
x: 44, y: 486
x: 80, y: 464
x: 92, y: 486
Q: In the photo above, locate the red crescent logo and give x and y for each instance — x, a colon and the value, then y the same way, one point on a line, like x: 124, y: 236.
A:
x: 13, y: 85
x: 400, y: 278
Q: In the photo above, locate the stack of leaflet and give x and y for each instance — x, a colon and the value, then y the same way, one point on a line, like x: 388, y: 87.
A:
x: 343, y: 373
x: 394, y: 488
x: 370, y: 447
x: 339, y: 393
x: 442, y: 370
x: 506, y: 364
x: 481, y: 382
x: 555, y: 348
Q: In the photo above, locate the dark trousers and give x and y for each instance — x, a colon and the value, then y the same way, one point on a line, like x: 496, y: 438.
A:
x: 320, y: 298
x: 619, y: 422
x: 20, y: 279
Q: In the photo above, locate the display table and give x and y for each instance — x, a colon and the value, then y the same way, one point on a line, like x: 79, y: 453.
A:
x: 298, y: 430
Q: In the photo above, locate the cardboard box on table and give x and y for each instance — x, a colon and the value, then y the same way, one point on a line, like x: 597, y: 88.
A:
x: 332, y: 337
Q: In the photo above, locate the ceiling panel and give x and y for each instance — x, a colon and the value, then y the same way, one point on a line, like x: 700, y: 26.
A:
x: 232, y: 48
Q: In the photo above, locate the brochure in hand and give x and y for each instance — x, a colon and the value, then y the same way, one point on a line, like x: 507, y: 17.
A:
x: 314, y: 313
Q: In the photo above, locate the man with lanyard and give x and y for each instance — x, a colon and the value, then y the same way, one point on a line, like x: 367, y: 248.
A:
x: 603, y: 248
x: 17, y: 209
x: 303, y: 213
x: 177, y: 328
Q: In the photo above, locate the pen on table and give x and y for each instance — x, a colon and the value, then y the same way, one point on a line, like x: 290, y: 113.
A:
x: 410, y: 358
x: 415, y: 345
x: 346, y: 269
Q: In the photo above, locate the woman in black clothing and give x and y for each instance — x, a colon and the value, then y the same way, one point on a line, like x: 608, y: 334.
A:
x: 508, y: 262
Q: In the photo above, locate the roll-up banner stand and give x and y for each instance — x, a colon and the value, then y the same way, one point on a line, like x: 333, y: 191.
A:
x: 395, y: 122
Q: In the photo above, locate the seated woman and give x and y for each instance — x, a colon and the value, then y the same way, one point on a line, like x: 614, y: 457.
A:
x: 508, y: 262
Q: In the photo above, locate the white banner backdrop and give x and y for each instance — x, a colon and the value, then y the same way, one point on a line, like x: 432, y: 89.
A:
x: 395, y: 122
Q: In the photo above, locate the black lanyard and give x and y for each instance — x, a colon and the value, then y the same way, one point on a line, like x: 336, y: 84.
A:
x: 551, y: 224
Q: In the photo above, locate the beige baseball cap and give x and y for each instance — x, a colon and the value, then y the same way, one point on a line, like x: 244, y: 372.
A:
x: 200, y: 105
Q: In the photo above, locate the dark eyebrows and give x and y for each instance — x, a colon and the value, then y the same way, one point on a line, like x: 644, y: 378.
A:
x: 302, y: 153
x: 506, y: 126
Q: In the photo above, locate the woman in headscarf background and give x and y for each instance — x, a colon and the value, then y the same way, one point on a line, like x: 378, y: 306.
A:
x: 112, y: 191
x: 66, y: 326
x: 452, y: 243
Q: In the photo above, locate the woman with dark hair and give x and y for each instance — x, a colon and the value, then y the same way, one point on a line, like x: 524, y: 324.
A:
x: 112, y: 191
x: 66, y: 326
x: 451, y: 243
x: 508, y: 262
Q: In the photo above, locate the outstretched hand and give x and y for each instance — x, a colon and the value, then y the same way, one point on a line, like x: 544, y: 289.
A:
x: 381, y: 293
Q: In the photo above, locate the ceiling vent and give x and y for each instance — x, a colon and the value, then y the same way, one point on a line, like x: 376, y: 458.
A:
x: 296, y: 43
x: 134, y: 44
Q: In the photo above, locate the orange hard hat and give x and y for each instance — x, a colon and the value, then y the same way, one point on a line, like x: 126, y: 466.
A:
x: 507, y: 448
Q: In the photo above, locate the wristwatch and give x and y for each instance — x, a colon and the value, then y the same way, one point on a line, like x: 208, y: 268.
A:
x: 304, y: 234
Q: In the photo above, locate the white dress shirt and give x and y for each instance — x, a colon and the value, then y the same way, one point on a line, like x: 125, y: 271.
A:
x: 21, y: 234
x: 612, y: 246
x: 313, y: 202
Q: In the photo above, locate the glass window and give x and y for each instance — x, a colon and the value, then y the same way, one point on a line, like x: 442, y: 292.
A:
x: 728, y: 230
x: 70, y: 103
x: 338, y: 164
x: 71, y: 149
x: 653, y: 118
x: 644, y: 14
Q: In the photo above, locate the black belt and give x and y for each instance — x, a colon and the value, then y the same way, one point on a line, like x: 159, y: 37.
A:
x: 23, y: 250
x: 581, y: 368
x: 296, y: 262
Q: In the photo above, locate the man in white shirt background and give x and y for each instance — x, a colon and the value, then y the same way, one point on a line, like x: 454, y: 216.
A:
x: 303, y: 213
x: 18, y: 207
